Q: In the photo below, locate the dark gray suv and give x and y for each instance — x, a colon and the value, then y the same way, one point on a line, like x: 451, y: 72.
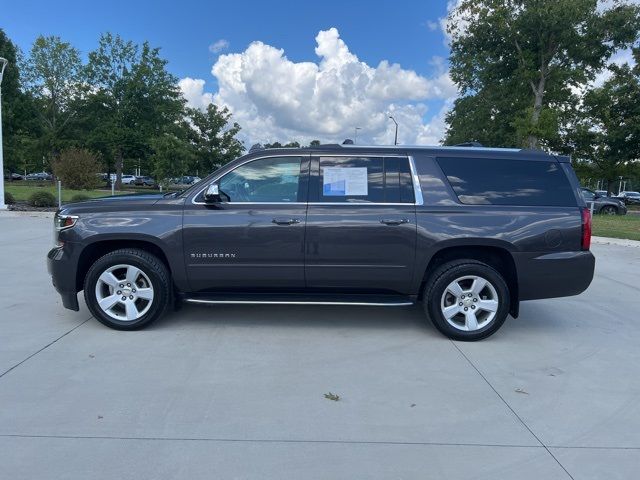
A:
x: 468, y: 232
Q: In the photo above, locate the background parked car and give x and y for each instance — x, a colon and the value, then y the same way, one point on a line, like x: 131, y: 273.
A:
x: 146, y: 181
x: 39, y: 177
x: 604, y: 204
x: 128, y: 179
x: 630, y: 198
x: 186, y: 180
x: 12, y: 176
x: 602, y: 193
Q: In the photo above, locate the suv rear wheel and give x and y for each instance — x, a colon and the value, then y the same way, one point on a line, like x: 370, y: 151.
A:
x: 466, y: 300
x: 127, y: 289
x: 609, y: 210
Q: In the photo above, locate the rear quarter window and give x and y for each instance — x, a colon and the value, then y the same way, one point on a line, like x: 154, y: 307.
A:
x: 488, y: 181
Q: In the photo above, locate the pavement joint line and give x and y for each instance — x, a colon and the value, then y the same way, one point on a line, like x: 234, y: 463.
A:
x: 511, y: 408
x: 266, y: 440
x: 45, y: 347
x: 281, y: 440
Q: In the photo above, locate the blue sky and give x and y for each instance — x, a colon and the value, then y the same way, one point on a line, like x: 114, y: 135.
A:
x: 405, y: 33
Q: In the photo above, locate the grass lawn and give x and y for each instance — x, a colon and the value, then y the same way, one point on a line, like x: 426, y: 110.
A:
x: 22, y: 190
x: 617, y: 226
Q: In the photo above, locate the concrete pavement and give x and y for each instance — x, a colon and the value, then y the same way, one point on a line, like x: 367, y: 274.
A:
x: 238, y: 391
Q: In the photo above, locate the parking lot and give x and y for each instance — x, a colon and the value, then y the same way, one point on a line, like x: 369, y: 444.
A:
x: 239, y: 391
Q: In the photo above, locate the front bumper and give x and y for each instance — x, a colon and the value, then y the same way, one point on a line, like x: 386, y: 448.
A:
x: 62, y: 267
x: 559, y: 274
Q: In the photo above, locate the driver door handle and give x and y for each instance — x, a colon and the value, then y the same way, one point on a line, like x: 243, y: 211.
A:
x: 394, y: 221
x: 285, y: 221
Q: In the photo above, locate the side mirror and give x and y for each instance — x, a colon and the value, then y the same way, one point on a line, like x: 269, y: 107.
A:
x: 212, y: 193
x: 596, y: 196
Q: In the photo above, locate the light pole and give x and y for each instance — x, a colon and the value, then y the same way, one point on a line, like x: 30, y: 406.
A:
x: 355, y: 140
x: 3, y: 64
x: 395, y: 142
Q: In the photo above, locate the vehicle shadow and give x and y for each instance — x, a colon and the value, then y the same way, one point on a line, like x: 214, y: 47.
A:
x: 298, y: 316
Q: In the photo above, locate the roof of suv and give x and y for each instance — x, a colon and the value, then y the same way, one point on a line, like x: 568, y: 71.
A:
x: 450, y: 151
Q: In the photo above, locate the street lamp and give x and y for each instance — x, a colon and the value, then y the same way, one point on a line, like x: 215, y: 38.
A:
x: 395, y: 142
x: 3, y: 64
x: 355, y: 140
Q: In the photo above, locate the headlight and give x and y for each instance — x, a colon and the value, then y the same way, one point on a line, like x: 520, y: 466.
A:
x: 62, y: 222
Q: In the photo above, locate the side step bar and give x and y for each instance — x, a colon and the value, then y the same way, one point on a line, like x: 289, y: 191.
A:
x: 262, y: 299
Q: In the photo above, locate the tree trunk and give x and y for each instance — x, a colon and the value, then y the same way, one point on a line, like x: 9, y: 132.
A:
x: 533, y: 141
x: 119, y: 162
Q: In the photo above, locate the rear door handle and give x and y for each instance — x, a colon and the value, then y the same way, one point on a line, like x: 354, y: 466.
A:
x: 394, y: 221
x: 285, y: 221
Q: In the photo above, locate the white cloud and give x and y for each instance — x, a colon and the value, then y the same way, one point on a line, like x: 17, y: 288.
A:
x: 193, y: 92
x: 274, y: 98
x: 219, y: 45
x: 431, y: 25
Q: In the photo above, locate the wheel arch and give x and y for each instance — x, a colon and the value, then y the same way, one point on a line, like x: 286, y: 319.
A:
x: 101, y: 247
x: 497, y: 256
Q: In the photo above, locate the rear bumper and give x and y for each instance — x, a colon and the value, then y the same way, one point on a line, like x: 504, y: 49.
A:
x: 62, y: 268
x: 560, y: 274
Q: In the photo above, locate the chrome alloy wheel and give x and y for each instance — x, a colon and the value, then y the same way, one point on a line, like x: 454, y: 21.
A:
x: 469, y: 303
x: 124, y: 292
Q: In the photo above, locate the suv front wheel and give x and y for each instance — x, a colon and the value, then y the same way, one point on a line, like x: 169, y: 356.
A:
x: 466, y: 300
x: 127, y: 289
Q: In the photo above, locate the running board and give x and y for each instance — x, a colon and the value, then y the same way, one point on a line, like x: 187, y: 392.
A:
x: 263, y: 299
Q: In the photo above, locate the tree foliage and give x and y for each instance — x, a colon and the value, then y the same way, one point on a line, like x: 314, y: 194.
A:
x: 53, y: 75
x: 608, y: 133
x: 517, y: 64
x: 213, y: 137
x: 77, y: 168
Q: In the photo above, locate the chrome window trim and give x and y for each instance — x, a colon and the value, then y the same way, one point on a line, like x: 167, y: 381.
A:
x: 417, y: 192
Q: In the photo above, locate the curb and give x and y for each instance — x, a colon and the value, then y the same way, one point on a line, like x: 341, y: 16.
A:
x: 17, y: 213
x: 615, y: 241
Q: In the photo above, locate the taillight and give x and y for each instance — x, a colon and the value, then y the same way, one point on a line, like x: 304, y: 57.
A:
x: 586, y: 228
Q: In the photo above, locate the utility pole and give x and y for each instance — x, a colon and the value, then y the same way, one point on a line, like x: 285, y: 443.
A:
x: 3, y: 64
x: 395, y: 141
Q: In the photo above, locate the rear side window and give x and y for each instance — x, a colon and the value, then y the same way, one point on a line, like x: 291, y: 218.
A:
x: 488, y: 181
x: 365, y: 180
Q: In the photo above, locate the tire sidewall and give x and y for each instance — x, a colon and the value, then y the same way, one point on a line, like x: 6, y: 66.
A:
x: 160, y: 290
x: 449, y: 273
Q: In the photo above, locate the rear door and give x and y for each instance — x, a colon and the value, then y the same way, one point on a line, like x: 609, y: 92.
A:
x: 361, y: 224
x: 254, y: 239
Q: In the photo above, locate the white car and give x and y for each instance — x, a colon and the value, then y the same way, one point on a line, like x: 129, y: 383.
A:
x: 128, y: 179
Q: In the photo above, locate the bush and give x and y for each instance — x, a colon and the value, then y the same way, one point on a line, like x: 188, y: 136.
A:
x: 80, y: 197
x: 77, y: 169
x: 42, y: 199
x: 8, y: 199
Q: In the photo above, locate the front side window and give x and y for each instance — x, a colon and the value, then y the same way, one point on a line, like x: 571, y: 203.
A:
x: 268, y: 180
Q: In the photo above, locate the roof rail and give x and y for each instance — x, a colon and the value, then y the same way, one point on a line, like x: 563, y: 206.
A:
x: 468, y: 144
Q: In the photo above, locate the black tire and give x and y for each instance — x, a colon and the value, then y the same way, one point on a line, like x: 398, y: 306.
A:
x: 445, y: 275
x: 609, y: 210
x: 154, y: 270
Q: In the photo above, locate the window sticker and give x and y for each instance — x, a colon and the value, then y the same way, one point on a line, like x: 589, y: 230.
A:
x: 338, y: 181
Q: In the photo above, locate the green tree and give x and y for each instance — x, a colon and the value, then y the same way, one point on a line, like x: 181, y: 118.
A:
x: 515, y: 63
x: 53, y: 74
x: 18, y: 125
x: 213, y: 138
x: 77, y: 169
x: 134, y: 99
x: 172, y: 157
x: 608, y: 133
